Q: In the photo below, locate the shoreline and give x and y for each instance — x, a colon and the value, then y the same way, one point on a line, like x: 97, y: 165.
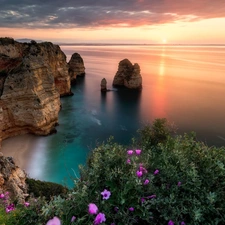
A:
x: 20, y: 149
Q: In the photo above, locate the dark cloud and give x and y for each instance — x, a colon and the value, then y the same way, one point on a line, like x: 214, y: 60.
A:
x: 104, y: 13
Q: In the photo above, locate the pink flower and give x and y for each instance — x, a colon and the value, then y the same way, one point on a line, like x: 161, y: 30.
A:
x: 151, y: 196
x: 156, y: 172
x: 2, y: 196
x: 142, y: 200
x: 9, y: 208
x: 178, y: 184
x: 73, y: 219
x: 99, y: 218
x: 93, y: 209
x: 139, y: 173
x: 130, y: 152
x: 131, y: 209
x: 26, y: 204
x: 138, y: 151
x: 54, y: 221
x: 170, y: 222
x: 106, y: 194
x: 146, y: 182
x: 141, y: 168
x: 128, y: 161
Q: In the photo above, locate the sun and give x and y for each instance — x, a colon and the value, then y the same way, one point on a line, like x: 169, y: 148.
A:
x: 164, y: 41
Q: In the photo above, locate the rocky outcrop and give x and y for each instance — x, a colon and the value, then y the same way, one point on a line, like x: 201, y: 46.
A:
x: 12, y: 179
x: 128, y: 75
x: 32, y: 78
x: 76, y: 66
x: 103, y: 85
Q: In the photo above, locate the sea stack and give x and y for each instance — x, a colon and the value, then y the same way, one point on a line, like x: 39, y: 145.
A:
x: 128, y: 75
x: 103, y: 85
x: 76, y: 66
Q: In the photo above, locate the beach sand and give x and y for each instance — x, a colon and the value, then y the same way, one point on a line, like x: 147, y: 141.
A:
x: 20, y: 148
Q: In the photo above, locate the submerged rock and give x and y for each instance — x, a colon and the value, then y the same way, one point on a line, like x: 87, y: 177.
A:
x: 76, y: 66
x: 128, y: 75
x: 103, y: 85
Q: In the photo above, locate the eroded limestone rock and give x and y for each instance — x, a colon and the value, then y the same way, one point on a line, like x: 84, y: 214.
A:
x: 12, y: 179
x: 103, y: 85
x: 32, y: 78
x: 76, y: 66
x: 128, y: 75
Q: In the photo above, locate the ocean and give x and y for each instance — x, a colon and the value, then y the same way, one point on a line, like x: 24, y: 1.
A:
x: 185, y: 84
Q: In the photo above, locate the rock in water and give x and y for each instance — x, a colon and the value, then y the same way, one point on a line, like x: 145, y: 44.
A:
x: 12, y: 179
x: 32, y: 78
x: 76, y: 66
x: 103, y: 85
x: 128, y: 75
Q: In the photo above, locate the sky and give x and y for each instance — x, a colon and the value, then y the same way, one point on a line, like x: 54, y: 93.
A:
x: 115, y: 21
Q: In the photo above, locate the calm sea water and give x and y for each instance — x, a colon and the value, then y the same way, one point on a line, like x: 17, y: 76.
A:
x: 185, y: 84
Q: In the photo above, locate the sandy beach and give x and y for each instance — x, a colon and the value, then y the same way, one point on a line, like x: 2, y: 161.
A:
x: 20, y: 148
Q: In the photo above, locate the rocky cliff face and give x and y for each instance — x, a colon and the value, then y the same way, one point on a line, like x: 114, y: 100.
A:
x: 32, y: 78
x: 12, y: 179
x: 76, y: 66
x: 128, y: 75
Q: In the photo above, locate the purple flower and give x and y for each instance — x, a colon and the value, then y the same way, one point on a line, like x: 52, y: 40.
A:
x: 130, y: 152
x: 142, y: 200
x: 141, y: 168
x: 99, y: 218
x: 73, y: 219
x: 139, y: 173
x: 93, y: 209
x: 138, y: 151
x: 146, y: 182
x: 106, y: 194
x: 170, y: 222
x: 156, y: 172
x: 54, y: 221
x: 26, y: 204
x: 131, y: 209
x: 151, y: 196
x: 9, y: 208
x: 178, y: 184
x: 128, y: 161
x: 182, y: 223
x: 2, y: 196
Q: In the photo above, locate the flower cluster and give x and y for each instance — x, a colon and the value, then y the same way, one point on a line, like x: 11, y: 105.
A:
x: 92, y: 209
x: 6, y: 202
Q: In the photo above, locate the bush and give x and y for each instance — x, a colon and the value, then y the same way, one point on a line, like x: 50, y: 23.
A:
x: 175, y: 180
x: 171, y: 180
x: 45, y: 189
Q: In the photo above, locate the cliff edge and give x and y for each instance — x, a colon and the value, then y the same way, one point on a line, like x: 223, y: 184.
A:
x: 32, y: 79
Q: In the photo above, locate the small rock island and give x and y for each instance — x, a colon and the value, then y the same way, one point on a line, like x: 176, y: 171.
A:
x: 128, y: 75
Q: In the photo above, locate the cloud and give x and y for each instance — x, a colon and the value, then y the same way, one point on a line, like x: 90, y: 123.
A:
x: 104, y: 13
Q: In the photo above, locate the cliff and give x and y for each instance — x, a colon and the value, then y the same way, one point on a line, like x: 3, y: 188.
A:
x: 12, y: 179
x: 32, y: 78
x: 128, y: 75
x: 76, y: 66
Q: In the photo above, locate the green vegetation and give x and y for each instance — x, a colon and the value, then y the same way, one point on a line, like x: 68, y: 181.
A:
x: 160, y: 179
x: 45, y: 189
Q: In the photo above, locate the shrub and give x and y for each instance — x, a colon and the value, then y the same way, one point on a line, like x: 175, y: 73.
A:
x: 173, y: 180
x: 45, y: 189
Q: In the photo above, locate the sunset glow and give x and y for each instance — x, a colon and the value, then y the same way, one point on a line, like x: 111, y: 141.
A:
x: 141, y: 22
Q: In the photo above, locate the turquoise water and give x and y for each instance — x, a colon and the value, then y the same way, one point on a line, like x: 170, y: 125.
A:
x: 184, y: 84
